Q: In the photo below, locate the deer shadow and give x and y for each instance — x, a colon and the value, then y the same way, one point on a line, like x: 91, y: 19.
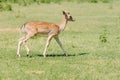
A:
x: 58, y: 55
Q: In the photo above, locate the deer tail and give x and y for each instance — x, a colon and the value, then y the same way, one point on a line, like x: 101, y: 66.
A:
x: 22, y: 28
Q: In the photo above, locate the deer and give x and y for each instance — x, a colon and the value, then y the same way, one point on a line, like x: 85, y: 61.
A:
x: 51, y: 30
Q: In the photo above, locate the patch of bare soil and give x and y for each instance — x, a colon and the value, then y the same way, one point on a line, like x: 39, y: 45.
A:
x: 9, y: 30
x: 34, y: 72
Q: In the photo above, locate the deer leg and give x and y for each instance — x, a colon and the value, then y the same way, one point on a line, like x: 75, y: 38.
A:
x: 23, y: 40
x: 26, y: 47
x: 19, y: 45
x: 47, y: 44
x: 60, y: 44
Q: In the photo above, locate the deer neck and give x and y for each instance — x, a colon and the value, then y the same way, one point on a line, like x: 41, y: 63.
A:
x: 62, y: 25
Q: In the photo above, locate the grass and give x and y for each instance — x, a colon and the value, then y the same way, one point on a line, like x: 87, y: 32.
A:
x: 88, y: 59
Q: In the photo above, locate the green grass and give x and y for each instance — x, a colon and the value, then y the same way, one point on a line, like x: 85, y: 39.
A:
x: 88, y: 59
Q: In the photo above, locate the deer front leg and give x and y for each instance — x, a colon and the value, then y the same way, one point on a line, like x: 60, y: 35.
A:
x: 47, y: 44
x: 60, y: 44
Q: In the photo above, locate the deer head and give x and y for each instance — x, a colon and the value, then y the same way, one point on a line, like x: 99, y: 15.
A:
x: 67, y: 15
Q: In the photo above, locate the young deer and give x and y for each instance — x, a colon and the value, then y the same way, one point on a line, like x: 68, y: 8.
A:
x: 44, y: 28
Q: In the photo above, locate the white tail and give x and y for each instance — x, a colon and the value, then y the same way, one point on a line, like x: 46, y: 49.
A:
x: 44, y: 28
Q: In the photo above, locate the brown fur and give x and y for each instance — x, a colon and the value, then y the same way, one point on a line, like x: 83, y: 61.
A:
x: 41, y: 28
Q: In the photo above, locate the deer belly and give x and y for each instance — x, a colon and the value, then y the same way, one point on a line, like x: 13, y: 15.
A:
x: 42, y: 32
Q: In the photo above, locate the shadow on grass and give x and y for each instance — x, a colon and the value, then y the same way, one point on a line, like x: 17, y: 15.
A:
x: 51, y: 55
x: 58, y: 55
x: 83, y: 53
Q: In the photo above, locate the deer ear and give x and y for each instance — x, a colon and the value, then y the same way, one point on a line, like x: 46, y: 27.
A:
x: 64, y: 12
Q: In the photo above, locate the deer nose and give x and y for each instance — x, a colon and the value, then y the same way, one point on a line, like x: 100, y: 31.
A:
x: 72, y: 18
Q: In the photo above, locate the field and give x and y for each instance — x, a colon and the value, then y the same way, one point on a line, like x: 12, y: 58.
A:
x: 92, y: 42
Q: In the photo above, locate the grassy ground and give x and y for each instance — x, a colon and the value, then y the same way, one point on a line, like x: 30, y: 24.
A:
x: 88, y: 59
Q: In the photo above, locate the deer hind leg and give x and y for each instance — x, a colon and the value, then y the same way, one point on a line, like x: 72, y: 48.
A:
x: 47, y: 44
x: 23, y: 41
x: 19, y: 45
x: 26, y: 47
x: 60, y: 44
